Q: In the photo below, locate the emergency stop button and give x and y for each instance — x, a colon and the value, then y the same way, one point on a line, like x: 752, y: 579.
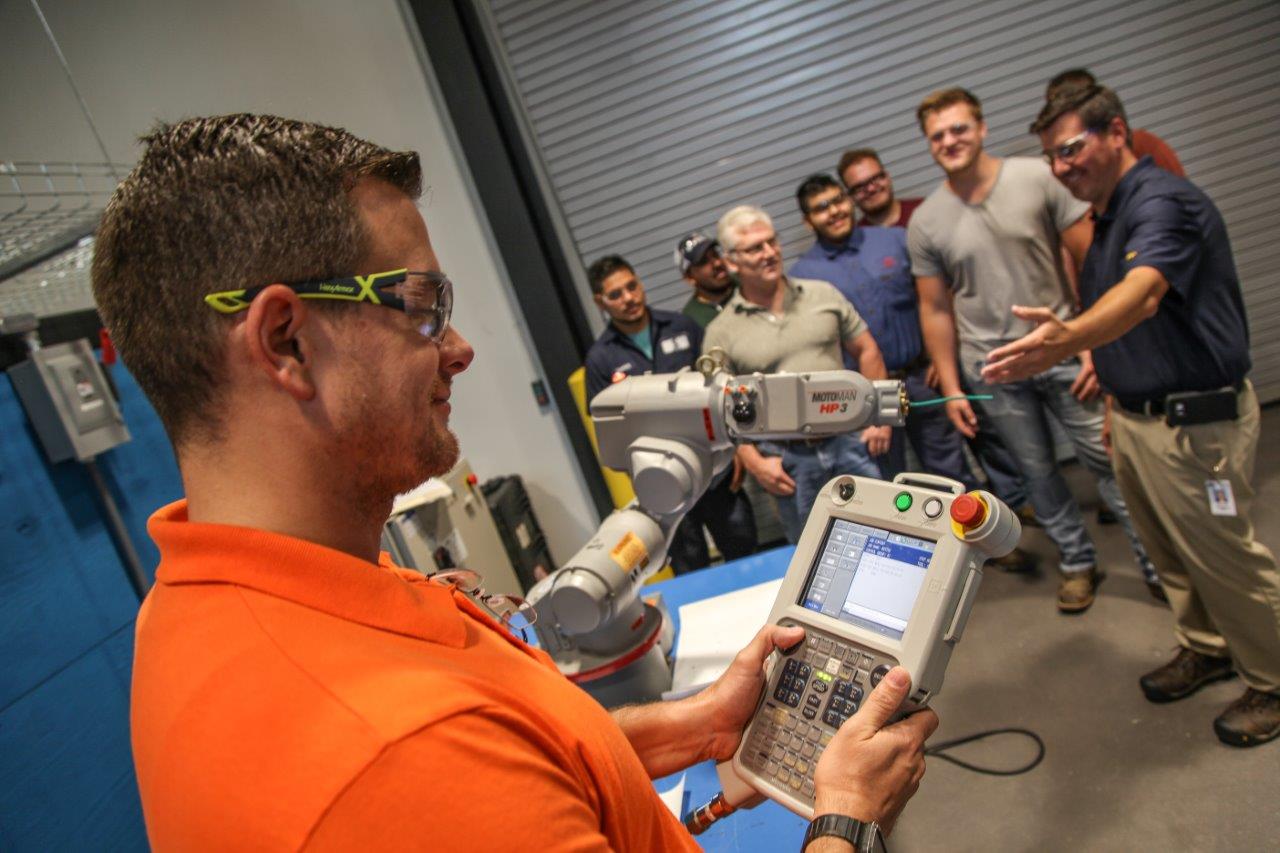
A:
x: 968, y: 512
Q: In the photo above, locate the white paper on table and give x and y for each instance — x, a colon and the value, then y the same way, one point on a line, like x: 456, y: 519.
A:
x: 673, y: 798
x: 713, y: 631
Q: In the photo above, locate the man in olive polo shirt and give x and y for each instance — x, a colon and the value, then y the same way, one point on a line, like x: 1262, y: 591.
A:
x: 1166, y: 322
x: 775, y: 323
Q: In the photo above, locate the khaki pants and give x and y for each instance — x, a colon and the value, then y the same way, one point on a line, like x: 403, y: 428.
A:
x: 1222, y: 584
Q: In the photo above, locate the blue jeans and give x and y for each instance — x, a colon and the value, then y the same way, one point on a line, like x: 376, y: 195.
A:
x: 724, y: 512
x: 812, y: 465
x: 1019, y: 414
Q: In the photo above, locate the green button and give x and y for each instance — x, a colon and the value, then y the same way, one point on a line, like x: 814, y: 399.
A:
x: 825, y: 676
x: 902, y: 501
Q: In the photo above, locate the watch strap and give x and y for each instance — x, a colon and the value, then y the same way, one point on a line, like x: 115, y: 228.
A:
x: 861, y: 835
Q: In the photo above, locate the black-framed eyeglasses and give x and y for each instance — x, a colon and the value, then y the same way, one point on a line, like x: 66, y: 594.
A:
x: 512, y: 611
x: 958, y: 130
x: 1069, y: 150
x: 861, y: 187
x: 824, y: 206
x: 426, y: 297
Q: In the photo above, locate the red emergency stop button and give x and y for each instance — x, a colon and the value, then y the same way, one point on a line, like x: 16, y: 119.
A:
x: 968, y: 512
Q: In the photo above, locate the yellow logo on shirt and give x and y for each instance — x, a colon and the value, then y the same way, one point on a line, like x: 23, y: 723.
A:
x: 1131, y: 256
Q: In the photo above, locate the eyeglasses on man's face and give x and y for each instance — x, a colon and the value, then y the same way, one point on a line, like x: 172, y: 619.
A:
x: 819, y: 207
x: 757, y: 249
x: 1069, y: 149
x: 513, y: 611
x: 863, y: 187
x: 959, y: 130
x: 425, y: 297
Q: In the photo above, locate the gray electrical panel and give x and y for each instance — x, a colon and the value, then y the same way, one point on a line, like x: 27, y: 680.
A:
x: 69, y: 403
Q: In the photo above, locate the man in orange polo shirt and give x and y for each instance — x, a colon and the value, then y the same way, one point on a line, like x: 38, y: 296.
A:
x: 272, y: 286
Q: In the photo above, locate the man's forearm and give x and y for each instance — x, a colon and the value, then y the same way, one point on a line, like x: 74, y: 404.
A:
x: 871, y: 361
x: 939, y: 330
x: 749, y: 456
x: 1134, y: 299
x: 668, y: 736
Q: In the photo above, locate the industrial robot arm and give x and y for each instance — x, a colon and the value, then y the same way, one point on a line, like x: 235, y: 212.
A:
x: 674, y: 433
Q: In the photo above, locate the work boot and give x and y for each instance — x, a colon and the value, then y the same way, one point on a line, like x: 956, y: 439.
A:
x: 1027, y: 516
x: 1076, y: 590
x: 1184, y: 675
x: 1016, y: 560
x: 1252, y: 719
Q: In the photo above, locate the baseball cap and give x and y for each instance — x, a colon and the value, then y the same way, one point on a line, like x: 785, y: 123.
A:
x: 692, y: 249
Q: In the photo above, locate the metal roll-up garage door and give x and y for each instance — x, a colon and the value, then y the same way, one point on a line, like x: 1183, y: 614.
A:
x: 651, y: 119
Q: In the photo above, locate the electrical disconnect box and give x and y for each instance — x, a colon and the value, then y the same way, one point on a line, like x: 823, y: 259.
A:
x: 69, y: 402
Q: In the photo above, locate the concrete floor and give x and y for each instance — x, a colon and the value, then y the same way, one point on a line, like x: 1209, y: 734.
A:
x: 1119, y: 772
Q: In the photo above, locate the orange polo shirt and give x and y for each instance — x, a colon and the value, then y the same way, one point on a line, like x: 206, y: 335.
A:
x: 286, y: 695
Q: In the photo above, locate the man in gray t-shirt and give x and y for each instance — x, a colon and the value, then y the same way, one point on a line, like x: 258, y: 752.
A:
x: 993, y: 235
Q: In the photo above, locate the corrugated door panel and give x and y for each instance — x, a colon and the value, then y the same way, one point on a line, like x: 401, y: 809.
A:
x: 652, y: 119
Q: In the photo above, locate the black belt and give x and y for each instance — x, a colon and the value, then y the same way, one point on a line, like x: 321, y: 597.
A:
x: 920, y: 363
x: 1155, y: 406
x: 806, y: 442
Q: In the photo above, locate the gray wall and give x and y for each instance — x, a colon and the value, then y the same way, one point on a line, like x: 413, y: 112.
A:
x: 652, y: 119
x: 334, y: 61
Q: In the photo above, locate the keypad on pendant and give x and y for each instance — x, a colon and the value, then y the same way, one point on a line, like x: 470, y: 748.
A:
x: 821, y: 685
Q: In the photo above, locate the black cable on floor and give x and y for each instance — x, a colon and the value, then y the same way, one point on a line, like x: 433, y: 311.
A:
x: 939, y: 751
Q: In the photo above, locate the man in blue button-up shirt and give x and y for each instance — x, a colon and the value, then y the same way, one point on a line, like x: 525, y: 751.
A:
x: 1166, y: 322
x: 872, y: 268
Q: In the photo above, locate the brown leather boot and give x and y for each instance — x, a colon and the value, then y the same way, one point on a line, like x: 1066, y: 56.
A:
x: 1252, y: 719
x: 1184, y: 675
x: 1076, y: 590
x: 1016, y: 560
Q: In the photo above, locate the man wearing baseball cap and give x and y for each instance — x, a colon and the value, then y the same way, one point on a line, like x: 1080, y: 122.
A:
x: 697, y: 256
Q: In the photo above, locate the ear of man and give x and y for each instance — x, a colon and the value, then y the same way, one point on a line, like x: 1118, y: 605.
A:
x: 275, y: 341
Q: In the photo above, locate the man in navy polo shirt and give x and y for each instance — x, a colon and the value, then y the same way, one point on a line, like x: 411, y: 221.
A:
x: 640, y: 339
x: 872, y: 268
x: 1166, y: 322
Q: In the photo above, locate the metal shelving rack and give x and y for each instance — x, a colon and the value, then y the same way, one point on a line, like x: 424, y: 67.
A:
x: 48, y: 212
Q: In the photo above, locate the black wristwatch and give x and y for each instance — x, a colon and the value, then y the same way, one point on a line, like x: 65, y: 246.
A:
x: 861, y: 835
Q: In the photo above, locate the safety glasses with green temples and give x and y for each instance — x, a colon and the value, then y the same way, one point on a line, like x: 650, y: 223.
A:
x: 426, y: 297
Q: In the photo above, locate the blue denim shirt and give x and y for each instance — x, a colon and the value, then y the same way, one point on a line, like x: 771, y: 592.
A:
x: 873, y: 271
x: 1199, y: 337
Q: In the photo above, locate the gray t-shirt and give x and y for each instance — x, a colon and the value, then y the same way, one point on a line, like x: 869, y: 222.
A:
x: 816, y: 322
x: 1001, y: 252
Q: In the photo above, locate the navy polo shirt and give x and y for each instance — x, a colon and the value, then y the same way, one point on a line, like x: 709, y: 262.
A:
x: 676, y: 339
x: 1199, y: 337
x: 873, y: 271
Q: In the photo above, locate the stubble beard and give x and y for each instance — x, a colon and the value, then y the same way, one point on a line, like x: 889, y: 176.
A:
x: 377, y: 470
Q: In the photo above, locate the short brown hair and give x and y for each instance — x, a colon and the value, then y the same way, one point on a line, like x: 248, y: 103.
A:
x: 1097, y: 107
x: 855, y: 155
x: 218, y: 204
x: 1072, y: 78
x: 944, y: 98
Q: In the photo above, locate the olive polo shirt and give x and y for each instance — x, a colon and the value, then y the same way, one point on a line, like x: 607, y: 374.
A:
x: 810, y: 334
